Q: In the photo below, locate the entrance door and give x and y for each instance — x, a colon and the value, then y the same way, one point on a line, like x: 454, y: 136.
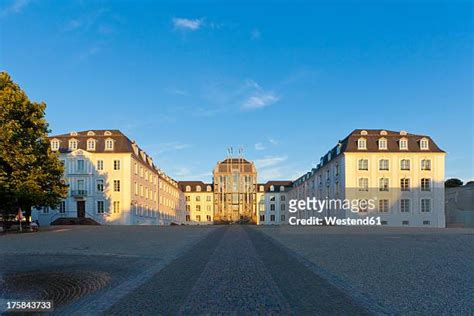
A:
x: 81, y: 209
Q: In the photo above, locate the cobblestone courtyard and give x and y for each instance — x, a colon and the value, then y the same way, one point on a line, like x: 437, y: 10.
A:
x: 241, y: 270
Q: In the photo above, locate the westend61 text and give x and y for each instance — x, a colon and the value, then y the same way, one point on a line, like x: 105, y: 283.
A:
x: 332, y: 220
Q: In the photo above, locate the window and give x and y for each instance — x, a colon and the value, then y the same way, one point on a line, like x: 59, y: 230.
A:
x: 405, y: 205
x: 80, y: 165
x: 424, y: 144
x: 209, y: 198
x: 272, y: 207
x: 425, y: 184
x: 405, y: 184
x: 425, y: 164
x: 116, y: 164
x: 363, y: 184
x: 188, y: 218
x: 361, y: 144
x: 188, y: 198
x: 73, y: 144
x: 208, y: 208
x: 188, y: 188
x: 209, y: 188
x: 198, y: 188
x: 116, y: 206
x: 282, y: 198
x: 363, y: 206
x: 198, y: 198
x: 363, y: 164
x: 405, y: 164
x: 261, y: 188
x: 100, y: 185
x: 403, y: 143
x: 272, y: 188
x: 188, y: 208
x: 405, y: 223
x: 282, y: 207
x: 272, y: 198
x: 100, y: 165
x: 383, y: 165
x: 425, y: 205
x: 80, y: 185
x: 100, y: 207
x: 208, y: 218
x: 136, y: 168
x: 91, y: 144
x: 198, y: 208
x: 198, y: 218
x: 384, y: 222
x: 383, y: 206
x: 45, y: 210
x: 272, y: 218
x: 282, y: 217
x: 117, y: 185
x: 55, y: 145
x: 62, y: 207
x: 382, y: 144
x: 383, y: 184
x: 136, y: 188
x: 109, y: 144
x: 262, y: 218
x: 426, y: 222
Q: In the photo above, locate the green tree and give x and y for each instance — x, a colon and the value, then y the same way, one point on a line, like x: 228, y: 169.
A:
x: 30, y: 173
x: 452, y: 183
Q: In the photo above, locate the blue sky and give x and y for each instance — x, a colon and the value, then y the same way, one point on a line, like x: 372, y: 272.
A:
x: 284, y: 80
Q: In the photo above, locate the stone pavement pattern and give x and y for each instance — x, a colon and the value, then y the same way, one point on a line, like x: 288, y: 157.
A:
x: 233, y: 270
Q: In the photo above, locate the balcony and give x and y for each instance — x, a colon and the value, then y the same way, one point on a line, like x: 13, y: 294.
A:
x: 79, y: 194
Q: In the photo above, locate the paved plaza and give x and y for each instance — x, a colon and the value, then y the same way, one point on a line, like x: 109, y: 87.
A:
x: 232, y: 270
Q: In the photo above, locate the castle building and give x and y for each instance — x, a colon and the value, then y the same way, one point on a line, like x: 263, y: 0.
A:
x: 395, y: 176
x: 402, y: 173
x: 112, y: 181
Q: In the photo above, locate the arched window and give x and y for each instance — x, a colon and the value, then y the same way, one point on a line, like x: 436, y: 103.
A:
x: 198, y: 188
x: 209, y: 188
x: 55, y: 145
x: 361, y: 144
x: 109, y: 144
x: 188, y: 188
x: 90, y: 133
x: 424, y: 145
x: 91, y: 144
x: 73, y: 144
x: 403, y: 143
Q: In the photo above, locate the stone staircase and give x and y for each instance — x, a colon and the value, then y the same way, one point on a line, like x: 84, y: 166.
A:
x: 74, y: 221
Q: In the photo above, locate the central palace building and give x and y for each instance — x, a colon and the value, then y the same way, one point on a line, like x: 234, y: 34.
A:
x: 113, y: 181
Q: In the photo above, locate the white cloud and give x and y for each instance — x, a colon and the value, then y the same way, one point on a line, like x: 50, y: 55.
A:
x: 260, y: 100
x: 259, y: 146
x: 187, y: 24
x: 269, y: 161
x: 272, y: 141
x: 16, y: 6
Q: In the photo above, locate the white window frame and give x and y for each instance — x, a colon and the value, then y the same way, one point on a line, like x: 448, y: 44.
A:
x: 360, y: 162
x: 401, y: 206
x: 383, y: 144
x: 403, y: 144
x: 424, y: 144
x: 109, y: 141
x: 429, y: 205
x: 90, y: 142
x: 362, y: 144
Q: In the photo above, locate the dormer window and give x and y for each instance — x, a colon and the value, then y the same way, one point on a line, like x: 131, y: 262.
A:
x: 90, y: 133
x: 261, y: 188
x: 73, y: 133
x: 109, y: 144
x: 73, y: 144
x: 107, y: 133
x: 424, y: 144
x: 282, y: 188
x: 188, y: 188
x: 363, y: 132
x: 91, y: 144
x: 198, y: 188
x: 272, y: 188
x: 403, y: 144
x: 383, y: 133
x: 55, y: 145
x: 338, y: 149
x: 382, y: 143
x: 329, y: 156
x: 209, y: 188
x: 361, y: 144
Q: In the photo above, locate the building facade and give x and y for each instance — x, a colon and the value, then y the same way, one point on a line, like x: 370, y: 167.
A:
x: 112, y: 181
x: 402, y: 175
x: 199, y: 198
